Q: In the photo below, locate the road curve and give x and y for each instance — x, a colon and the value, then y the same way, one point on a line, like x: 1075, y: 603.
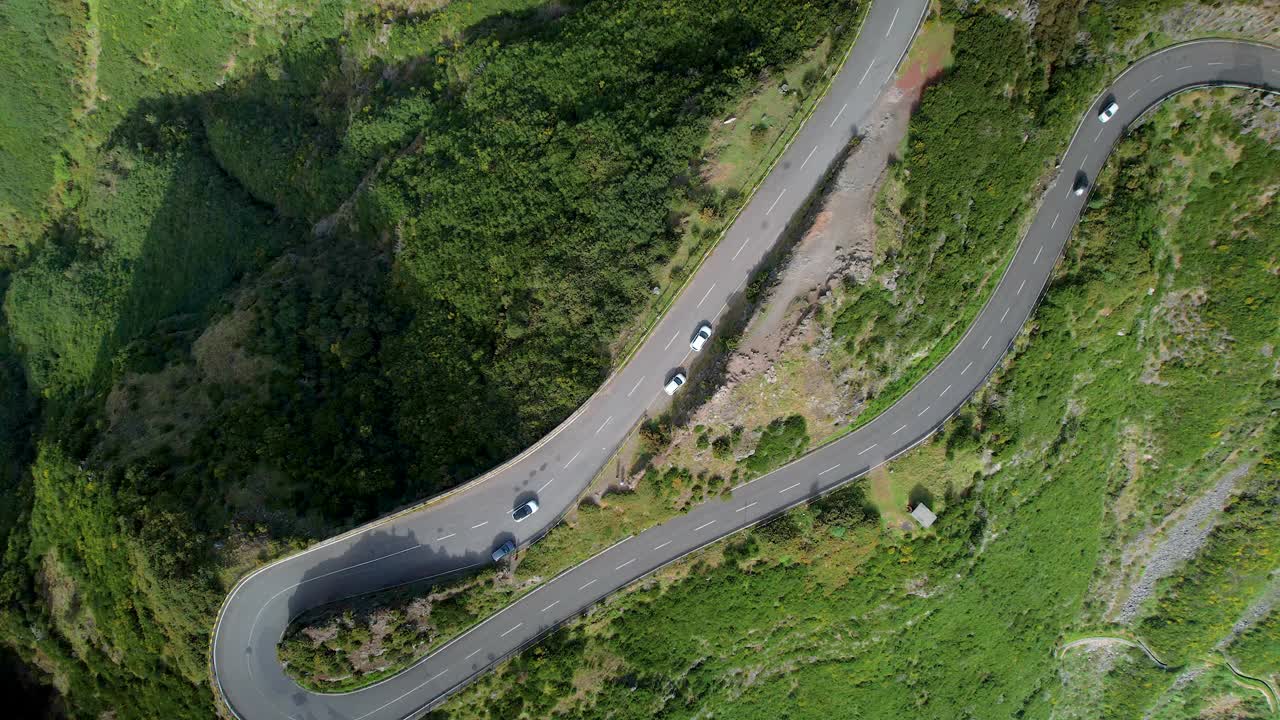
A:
x: 460, y: 531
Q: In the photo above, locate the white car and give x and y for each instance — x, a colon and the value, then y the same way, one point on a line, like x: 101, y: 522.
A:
x: 1108, y: 112
x: 525, y: 510
x: 704, y: 333
x: 674, y: 383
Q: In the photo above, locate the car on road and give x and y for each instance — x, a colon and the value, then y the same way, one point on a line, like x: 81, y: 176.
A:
x: 1082, y: 184
x: 1109, y: 111
x: 503, y: 550
x: 675, y: 382
x: 701, y: 337
x: 525, y: 510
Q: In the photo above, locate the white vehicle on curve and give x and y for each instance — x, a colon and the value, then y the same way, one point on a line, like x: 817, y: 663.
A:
x: 1109, y: 111
x: 700, y: 339
x: 674, y: 383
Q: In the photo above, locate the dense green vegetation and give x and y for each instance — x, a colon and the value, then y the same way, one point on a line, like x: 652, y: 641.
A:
x: 272, y: 269
x: 795, y: 620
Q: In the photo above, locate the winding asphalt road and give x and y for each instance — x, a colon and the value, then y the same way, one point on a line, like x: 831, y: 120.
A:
x: 460, y: 530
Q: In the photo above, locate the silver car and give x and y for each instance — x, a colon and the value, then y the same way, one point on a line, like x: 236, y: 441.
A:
x: 525, y: 510
x: 503, y: 550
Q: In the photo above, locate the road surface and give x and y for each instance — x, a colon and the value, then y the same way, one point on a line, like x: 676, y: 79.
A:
x: 460, y: 531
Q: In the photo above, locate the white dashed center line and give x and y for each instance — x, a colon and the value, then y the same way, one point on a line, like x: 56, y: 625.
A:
x: 1083, y: 159
x: 1095, y: 137
x: 944, y: 391
x: 1005, y: 315
x: 925, y: 410
x: 1216, y: 63
x: 966, y: 368
x: 445, y: 537
x: 789, y: 488
x: 437, y: 675
x: 473, y: 654
x: 673, y: 339
x: 606, y: 422
x: 662, y: 546
x: 1036, y: 259
x: 824, y: 472
x: 474, y: 527
x: 744, y: 244
x: 517, y: 627
x: 575, y: 457
x: 637, y: 385
x: 868, y: 71
x: 624, y: 564
x: 1054, y: 224
x: 704, y: 297
x: 806, y: 159
x: 775, y: 202
x: 892, y: 21
x: 984, y: 342
x: 1184, y: 67
x: 744, y: 507
x: 1020, y: 286
x: 586, y: 585
x: 703, y: 525
x: 1135, y: 92
x: 837, y: 117
x: 550, y: 606
x: 545, y: 484
x: 895, y: 432
x: 868, y: 447
x: 1155, y: 79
